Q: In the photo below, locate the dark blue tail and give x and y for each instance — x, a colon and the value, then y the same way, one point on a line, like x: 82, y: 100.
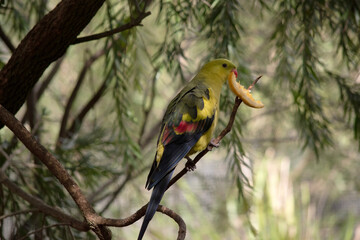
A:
x: 154, y: 202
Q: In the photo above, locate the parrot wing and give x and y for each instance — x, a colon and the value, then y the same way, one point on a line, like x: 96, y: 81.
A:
x: 182, y: 127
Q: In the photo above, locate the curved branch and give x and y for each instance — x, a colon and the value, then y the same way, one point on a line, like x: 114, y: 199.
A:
x: 135, y: 22
x: 141, y: 212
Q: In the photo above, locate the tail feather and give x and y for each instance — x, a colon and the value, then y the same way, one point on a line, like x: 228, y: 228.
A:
x: 156, y: 196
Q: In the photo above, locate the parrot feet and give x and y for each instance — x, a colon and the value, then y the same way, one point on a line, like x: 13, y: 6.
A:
x: 190, y: 165
x: 213, y: 143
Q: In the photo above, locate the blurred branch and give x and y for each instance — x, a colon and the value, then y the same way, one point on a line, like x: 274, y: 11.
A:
x: 42, y: 228
x: 115, y: 193
x: 215, y: 141
x: 271, y: 139
x: 6, y: 40
x: 133, y: 23
x: 76, y: 123
x: 7, y: 159
x: 81, y: 77
x: 18, y: 212
x: 45, y: 83
x: 276, y: 109
x: 147, y: 139
x: 37, y: 91
x: 31, y: 109
x: 147, y: 110
x: 93, y: 197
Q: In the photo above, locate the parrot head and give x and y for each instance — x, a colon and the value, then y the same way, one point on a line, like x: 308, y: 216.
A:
x: 221, y: 67
x: 224, y: 69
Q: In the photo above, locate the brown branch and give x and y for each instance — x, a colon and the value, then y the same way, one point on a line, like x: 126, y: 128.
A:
x: 6, y: 40
x: 223, y: 133
x: 133, y: 23
x: 141, y: 212
x: 56, y: 169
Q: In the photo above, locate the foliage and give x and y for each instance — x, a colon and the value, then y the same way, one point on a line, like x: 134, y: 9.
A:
x: 308, y: 52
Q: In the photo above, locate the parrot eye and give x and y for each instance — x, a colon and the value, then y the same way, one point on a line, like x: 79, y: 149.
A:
x: 224, y: 65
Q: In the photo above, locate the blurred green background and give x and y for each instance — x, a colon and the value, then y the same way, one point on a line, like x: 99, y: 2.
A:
x: 287, y: 171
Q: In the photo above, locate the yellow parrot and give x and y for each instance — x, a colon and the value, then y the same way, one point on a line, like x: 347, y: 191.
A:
x: 187, y: 127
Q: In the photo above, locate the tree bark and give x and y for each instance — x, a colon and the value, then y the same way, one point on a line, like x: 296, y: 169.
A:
x: 45, y: 43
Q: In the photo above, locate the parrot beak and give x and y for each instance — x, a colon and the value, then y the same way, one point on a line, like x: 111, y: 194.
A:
x: 241, y: 92
x: 235, y: 72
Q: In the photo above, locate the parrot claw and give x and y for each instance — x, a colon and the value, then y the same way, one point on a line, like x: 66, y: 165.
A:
x: 190, y: 165
x: 213, y: 143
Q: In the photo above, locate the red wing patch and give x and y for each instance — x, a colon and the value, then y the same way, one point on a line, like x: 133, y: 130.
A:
x: 182, y: 128
x: 186, y: 127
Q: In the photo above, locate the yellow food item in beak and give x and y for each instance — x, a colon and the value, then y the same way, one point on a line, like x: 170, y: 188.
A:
x: 242, y: 93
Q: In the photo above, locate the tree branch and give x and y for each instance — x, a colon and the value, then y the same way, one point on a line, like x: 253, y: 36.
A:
x: 141, y: 212
x: 46, y: 42
x: 223, y: 133
x: 133, y: 23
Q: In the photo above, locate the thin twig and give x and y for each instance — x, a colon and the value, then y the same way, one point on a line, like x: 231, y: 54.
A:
x: 147, y: 110
x: 225, y: 131
x: 93, y: 197
x: 42, y: 228
x: 18, y: 213
x: 7, y: 158
x: 40, y: 89
x: 80, y: 79
x: 76, y: 123
x: 115, y: 193
x: 135, y: 22
x: 6, y: 40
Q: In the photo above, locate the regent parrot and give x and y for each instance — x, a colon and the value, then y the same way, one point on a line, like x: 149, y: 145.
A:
x: 186, y: 128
